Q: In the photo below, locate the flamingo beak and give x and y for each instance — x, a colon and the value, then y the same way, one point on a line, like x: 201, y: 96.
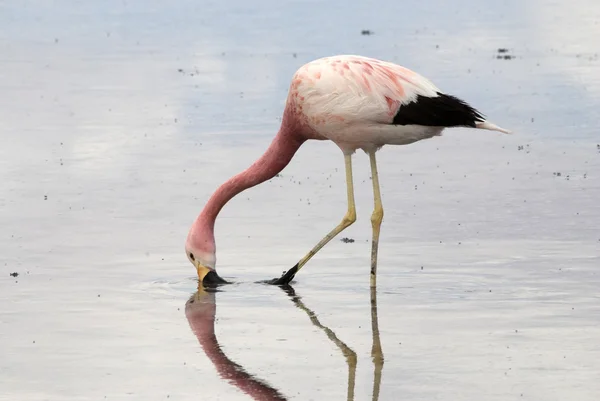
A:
x: 208, y: 276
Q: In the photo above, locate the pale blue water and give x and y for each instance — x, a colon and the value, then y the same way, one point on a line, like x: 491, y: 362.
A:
x: 126, y: 115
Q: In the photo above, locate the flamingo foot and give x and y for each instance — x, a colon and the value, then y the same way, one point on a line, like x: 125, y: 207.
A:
x: 285, y: 278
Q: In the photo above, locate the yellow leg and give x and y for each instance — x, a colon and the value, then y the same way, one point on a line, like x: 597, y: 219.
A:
x: 376, y: 218
x: 348, y: 219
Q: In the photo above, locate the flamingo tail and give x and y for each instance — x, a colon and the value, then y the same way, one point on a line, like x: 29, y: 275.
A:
x: 490, y: 126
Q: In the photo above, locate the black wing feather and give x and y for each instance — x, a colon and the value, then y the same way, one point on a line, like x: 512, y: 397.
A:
x: 440, y: 111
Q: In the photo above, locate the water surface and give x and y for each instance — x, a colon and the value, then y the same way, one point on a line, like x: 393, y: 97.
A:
x: 118, y: 119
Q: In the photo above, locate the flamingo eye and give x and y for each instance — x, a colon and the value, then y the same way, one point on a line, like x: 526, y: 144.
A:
x: 192, y: 256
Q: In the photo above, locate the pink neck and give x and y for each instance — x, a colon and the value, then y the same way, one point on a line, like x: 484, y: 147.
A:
x: 276, y: 158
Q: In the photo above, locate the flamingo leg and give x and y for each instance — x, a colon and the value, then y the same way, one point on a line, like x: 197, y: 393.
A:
x: 376, y: 217
x: 348, y: 219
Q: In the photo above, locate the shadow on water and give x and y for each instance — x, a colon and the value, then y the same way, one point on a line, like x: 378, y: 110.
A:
x: 200, y: 311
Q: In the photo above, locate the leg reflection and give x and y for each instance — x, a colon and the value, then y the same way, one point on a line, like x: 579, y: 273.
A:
x: 348, y: 353
x: 376, y: 351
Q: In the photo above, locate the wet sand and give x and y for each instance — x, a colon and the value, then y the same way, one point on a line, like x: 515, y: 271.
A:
x: 119, y: 119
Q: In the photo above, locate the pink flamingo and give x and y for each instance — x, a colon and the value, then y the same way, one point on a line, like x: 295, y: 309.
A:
x: 358, y: 103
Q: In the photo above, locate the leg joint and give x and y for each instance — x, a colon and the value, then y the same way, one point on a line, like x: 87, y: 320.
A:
x: 377, y: 216
x: 349, y: 218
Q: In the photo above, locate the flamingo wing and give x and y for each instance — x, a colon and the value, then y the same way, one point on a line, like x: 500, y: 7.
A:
x: 354, y: 88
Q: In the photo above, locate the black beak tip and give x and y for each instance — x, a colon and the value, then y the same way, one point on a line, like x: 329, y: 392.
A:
x: 212, y: 279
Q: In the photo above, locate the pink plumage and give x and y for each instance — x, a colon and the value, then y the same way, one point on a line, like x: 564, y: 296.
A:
x: 356, y: 102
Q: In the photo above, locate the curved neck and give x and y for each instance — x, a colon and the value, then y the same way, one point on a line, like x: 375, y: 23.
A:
x: 278, y: 155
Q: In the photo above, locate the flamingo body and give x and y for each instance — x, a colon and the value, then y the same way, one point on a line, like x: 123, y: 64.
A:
x: 360, y: 102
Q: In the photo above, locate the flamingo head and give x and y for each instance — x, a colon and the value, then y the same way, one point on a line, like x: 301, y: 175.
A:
x: 203, y: 260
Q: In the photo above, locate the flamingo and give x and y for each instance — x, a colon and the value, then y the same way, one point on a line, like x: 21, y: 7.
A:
x: 358, y: 103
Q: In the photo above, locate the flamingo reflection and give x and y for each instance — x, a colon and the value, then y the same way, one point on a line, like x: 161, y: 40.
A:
x: 200, y: 311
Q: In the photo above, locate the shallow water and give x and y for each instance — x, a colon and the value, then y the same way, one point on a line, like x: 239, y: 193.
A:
x: 118, y: 119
